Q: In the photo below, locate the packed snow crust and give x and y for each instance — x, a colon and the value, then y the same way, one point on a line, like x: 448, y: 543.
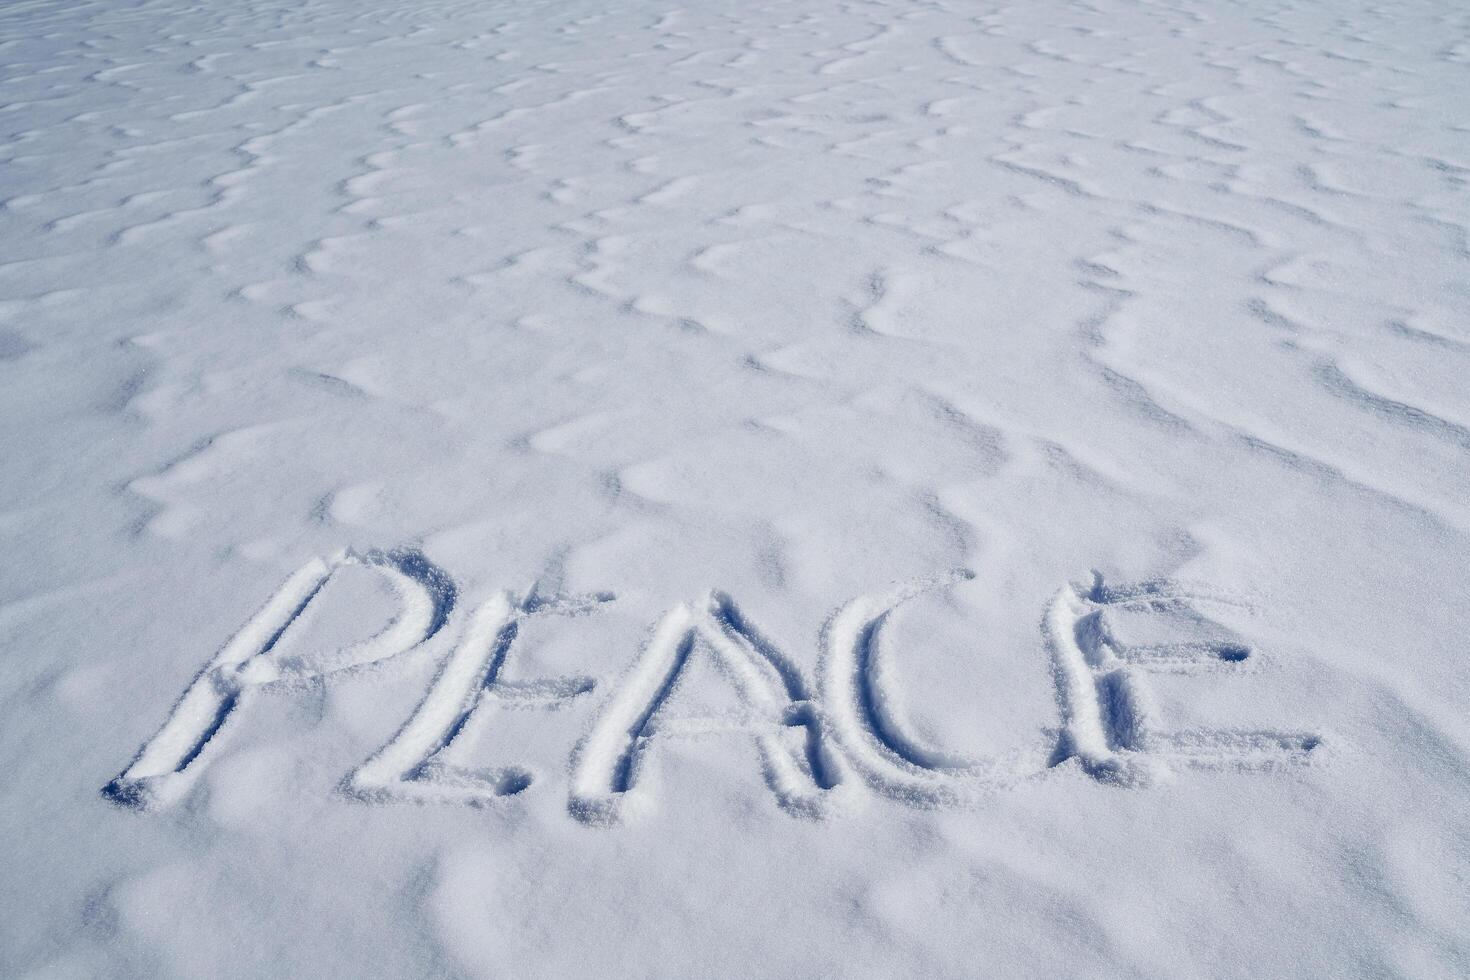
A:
x: 874, y: 488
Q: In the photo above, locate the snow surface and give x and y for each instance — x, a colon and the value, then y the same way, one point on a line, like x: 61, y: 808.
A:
x: 781, y: 489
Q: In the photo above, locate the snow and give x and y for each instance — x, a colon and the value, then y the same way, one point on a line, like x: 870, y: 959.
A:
x: 889, y: 488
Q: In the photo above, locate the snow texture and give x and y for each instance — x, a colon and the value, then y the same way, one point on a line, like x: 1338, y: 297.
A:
x: 872, y: 488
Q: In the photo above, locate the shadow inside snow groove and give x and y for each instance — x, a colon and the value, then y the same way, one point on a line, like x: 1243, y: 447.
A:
x: 1111, y: 722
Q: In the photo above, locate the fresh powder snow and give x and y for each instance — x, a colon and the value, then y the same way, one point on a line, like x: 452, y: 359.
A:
x: 878, y: 488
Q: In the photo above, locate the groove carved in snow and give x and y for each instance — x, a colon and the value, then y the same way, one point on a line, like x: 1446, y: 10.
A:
x: 818, y: 743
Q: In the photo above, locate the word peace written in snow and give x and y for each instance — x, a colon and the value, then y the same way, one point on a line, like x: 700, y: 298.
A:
x: 818, y: 744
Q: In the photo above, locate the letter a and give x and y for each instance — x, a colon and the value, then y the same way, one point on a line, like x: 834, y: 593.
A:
x: 780, y: 714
